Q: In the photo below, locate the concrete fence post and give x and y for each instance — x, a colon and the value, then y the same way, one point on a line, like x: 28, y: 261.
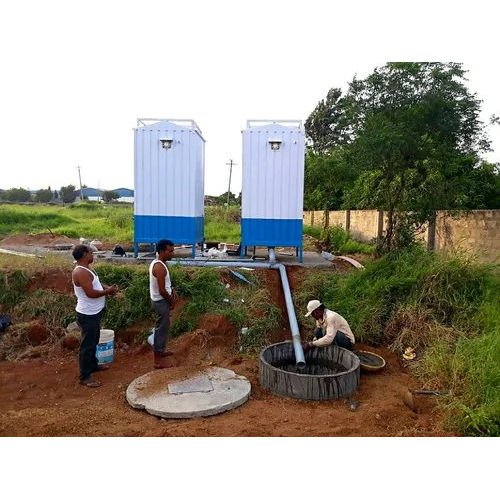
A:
x: 326, y: 219
x: 431, y: 233
x: 380, y: 224
x: 347, y: 220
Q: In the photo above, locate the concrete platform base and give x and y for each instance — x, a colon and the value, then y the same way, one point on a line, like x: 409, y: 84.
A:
x: 213, y: 391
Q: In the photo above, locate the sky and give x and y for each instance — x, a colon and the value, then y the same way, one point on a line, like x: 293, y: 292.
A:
x: 75, y: 76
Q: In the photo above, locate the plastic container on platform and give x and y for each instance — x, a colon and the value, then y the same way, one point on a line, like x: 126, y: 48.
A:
x: 105, y: 351
x: 273, y: 184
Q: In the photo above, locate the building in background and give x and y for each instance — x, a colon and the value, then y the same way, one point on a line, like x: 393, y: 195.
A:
x: 126, y: 195
x: 89, y: 193
x: 93, y: 194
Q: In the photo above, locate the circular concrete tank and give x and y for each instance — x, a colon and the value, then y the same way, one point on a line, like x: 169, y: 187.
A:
x: 331, y: 372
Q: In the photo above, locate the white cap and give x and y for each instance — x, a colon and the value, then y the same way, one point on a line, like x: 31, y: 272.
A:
x: 312, y: 306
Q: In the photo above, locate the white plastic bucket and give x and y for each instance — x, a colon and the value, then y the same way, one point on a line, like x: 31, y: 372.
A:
x: 151, y: 338
x: 106, y: 348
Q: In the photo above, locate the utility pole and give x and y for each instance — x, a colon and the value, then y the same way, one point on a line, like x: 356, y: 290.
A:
x: 231, y: 163
x: 80, y: 177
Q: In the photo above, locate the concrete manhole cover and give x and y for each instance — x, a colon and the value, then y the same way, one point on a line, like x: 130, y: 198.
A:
x: 214, y: 391
x: 197, y: 384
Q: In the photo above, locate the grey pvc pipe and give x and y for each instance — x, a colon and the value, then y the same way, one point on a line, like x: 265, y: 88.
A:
x: 294, y: 327
x: 272, y: 254
x: 292, y: 319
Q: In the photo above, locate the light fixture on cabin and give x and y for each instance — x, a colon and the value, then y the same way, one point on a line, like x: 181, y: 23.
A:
x: 275, y: 144
x: 166, y: 143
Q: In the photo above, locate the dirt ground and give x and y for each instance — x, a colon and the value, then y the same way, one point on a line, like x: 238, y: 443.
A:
x: 43, y: 398
x: 37, y: 239
x: 42, y: 243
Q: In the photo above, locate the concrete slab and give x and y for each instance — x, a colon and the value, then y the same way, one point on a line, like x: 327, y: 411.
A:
x: 197, y: 384
x: 152, y: 392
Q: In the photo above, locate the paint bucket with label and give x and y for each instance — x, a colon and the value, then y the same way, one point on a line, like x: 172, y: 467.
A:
x: 106, y: 348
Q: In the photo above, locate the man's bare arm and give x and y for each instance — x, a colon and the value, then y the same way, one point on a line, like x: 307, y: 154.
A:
x: 84, y: 279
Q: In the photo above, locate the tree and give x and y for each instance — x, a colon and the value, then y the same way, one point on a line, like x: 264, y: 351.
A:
x: 223, y: 198
x: 415, y: 139
x: 327, y: 126
x: 109, y: 196
x: 485, y: 186
x: 43, y: 195
x: 326, y: 178
x: 17, y: 194
x: 68, y: 194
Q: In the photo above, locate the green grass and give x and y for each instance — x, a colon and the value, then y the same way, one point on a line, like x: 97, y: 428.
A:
x: 56, y: 309
x: 445, y: 306
x: 90, y: 220
x: 12, y: 287
x: 204, y: 289
x: 313, y: 231
x: 114, y: 223
x: 223, y: 224
x: 337, y: 240
x: 241, y: 304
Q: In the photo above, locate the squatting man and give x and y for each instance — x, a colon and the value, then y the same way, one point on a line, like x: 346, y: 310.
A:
x: 331, y: 328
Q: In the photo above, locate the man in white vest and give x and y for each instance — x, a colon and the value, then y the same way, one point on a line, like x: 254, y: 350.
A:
x: 163, y: 298
x: 331, y: 328
x: 90, y: 296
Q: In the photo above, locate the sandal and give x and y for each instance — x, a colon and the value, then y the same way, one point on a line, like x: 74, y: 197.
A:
x: 101, y: 368
x: 88, y: 382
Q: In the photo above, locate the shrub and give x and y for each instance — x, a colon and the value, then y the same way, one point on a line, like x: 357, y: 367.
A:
x: 12, y: 287
x: 337, y: 240
x: 313, y: 231
x: 56, y: 309
x: 446, y: 306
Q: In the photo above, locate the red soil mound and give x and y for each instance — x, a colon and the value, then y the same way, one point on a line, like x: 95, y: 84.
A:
x: 37, y: 239
x: 52, y: 279
x: 37, y: 333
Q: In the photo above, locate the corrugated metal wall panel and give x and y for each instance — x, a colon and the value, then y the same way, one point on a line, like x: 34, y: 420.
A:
x: 169, y: 183
x: 271, y: 232
x: 273, y: 181
x: 181, y: 230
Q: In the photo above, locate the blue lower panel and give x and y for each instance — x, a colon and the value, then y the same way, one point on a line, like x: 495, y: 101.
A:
x: 271, y: 232
x: 181, y: 230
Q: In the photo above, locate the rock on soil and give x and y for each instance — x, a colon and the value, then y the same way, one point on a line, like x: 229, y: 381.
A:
x: 37, y: 333
x: 71, y: 341
x: 73, y: 328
